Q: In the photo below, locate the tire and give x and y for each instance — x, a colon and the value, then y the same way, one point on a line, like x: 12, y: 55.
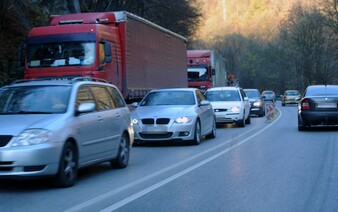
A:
x: 283, y: 104
x: 197, y: 134
x: 301, y: 128
x: 248, y: 120
x: 241, y: 122
x: 67, y: 173
x: 301, y: 125
x: 122, y: 158
x: 213, y: 131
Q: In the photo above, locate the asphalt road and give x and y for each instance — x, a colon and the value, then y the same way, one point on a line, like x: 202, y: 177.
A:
x: 266, y: 166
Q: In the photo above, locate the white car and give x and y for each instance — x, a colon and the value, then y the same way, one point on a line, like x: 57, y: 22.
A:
x: 230, y: 104
x: 173, y: 114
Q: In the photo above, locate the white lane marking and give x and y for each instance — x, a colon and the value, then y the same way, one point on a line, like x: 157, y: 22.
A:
x: 167, y: 180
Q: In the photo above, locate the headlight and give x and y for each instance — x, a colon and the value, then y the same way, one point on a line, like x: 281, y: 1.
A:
x: 134, y: 121
x: 257, y: 104
x: 32, y: 137
x: 183, y: 120
x: 234, y: 109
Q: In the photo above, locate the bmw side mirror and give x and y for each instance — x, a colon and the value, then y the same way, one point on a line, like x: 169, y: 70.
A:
x: 204, y: 103
x: 134, y: 104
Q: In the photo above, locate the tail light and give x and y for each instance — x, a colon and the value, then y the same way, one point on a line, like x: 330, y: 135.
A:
x: 304, y: 105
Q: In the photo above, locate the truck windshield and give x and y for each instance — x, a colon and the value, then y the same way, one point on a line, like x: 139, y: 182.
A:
x: 61, y: 54
x: 197, y: 74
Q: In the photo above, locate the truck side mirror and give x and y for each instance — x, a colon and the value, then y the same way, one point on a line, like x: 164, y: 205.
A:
x: 213, y: 71
x: 20, y: 56
x: 107, y: 52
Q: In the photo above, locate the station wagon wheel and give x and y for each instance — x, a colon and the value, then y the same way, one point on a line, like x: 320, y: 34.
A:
x: 122, y: 159
x: 67, y: 173
x: 248, y: 120
x: 213, y: 131
x: 197, y: 135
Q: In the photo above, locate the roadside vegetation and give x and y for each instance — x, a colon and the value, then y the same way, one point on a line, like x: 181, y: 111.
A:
x: 276, y: 45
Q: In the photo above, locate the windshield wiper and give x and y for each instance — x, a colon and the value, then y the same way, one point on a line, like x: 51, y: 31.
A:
x: 28, y: 112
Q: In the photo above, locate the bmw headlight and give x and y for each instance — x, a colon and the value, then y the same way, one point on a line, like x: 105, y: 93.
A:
x: 257, y: 104
x: 32, y: 137
x: 234, y: 109
x: 183, y: 120
x: 134, y: 121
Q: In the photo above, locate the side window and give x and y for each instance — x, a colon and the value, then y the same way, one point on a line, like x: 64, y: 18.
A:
x: 103, y: 99
x: 84, y: 95
x: 117, y: 98
x: 101, y: 53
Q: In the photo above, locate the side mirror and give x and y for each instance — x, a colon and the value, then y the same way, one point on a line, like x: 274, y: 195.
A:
x: 134, y: 104
x: 204, y: 103
x: 246, y: 98
x: 86, y: 108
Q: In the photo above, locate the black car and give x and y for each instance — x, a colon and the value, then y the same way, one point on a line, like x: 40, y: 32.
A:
x: 318, y: 107
x: 257, y: 104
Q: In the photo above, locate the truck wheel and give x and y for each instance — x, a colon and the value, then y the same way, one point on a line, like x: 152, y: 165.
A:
x: 67, y: 174
x: 122, y: 159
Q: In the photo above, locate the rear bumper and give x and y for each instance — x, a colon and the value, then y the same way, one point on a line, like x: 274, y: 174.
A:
x: 318, y: 117
x: 290, y: 101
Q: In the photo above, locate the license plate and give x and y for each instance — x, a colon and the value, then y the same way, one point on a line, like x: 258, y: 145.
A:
x: 155, y: 129
x: 327, y: 105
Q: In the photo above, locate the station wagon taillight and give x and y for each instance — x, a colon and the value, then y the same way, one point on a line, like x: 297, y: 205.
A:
x: 305, y: 105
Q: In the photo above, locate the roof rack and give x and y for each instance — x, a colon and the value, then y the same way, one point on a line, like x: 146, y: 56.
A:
x: 71, y: 79
x: 92, y: 79
x: 28, y: 80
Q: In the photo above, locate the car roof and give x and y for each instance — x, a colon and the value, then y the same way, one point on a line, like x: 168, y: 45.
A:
x: 291, y: 91
x: 310, y: 86
x: 174, y: 89
x: 250, y: 89
x: 223, y: 88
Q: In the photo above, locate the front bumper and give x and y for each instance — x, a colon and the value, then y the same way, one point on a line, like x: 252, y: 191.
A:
x: 30, y: 161
x: 171, y: 131
x: 224, y: 117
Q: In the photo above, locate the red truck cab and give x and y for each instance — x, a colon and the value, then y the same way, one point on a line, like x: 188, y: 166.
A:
x: 199, y: 69
x: 119, y: 47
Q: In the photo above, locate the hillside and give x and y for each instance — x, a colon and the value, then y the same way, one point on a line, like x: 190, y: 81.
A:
x: 259, y: 18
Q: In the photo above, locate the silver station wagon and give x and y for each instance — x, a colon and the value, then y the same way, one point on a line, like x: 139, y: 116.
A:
x: 55, y: 127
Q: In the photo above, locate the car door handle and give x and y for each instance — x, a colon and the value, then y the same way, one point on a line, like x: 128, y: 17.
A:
x: 99, y: 118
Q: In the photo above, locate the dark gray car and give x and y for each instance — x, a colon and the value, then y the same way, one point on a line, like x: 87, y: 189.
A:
x: 257, y: 104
